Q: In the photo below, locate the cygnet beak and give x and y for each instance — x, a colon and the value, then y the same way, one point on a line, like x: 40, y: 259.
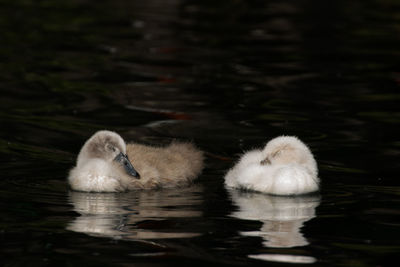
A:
x: 265, y: 161
x: 123, y: 159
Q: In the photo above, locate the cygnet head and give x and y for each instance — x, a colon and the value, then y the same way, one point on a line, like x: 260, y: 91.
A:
x: 108, y: 146
x: 285, y: 150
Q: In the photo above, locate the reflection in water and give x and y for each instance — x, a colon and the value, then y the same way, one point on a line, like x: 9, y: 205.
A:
x: 284, y: 258
x: 282, y: 219
x: 136, y: 215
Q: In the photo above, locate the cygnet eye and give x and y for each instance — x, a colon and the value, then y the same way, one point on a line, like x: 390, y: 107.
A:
x: 111, y: 148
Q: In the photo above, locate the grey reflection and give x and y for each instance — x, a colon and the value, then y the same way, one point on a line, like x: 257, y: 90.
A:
x: 282, y: 218
x: 136, y: 215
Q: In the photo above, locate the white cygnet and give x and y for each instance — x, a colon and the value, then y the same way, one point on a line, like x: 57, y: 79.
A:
x: 106, y: 164
x: 285, y: 166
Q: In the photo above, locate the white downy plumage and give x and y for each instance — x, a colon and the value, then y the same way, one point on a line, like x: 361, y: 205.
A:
x: 285, y: 166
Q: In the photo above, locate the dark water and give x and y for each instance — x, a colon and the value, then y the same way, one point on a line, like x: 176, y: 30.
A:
x: 229, y: 75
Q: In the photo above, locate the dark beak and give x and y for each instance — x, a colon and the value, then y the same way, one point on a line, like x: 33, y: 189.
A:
x: 265, y: 161
x: 124, y: 161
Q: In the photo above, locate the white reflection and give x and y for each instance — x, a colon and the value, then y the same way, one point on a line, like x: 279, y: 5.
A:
x: 284, y: 258
x: 282, y: 218
x: 136, y: 215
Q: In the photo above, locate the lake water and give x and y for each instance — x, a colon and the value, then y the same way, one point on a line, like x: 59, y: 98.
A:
x: 228, y: 75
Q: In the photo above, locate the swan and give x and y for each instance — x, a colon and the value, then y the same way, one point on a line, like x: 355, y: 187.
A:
x: 285, y: 166
x: 106, y: 163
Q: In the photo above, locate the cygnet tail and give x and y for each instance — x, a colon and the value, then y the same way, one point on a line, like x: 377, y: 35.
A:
x: 192, y: 159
